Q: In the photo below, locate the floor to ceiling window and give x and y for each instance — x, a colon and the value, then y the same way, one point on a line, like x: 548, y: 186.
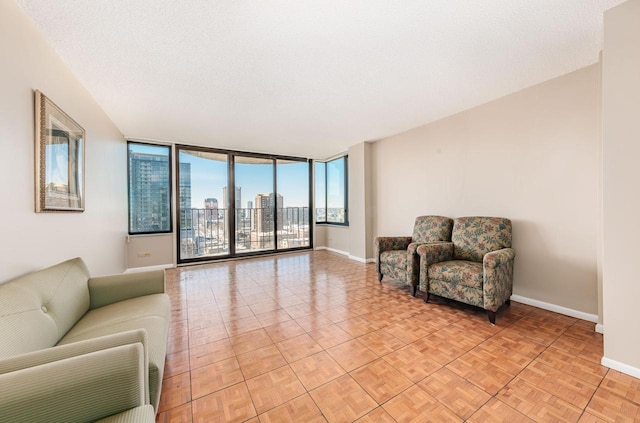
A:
x: 232, y: 204
x: 255, y: 217
x: 293, y: 203
x: 331, y: 191
x: 202, y: 210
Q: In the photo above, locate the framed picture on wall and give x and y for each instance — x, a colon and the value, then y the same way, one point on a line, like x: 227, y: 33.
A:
x: 59, y: 157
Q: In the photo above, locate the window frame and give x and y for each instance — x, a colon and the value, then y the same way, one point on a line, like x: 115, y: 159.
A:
x: 169, y: 187
x: 231, y: 183
x: 326, y: 192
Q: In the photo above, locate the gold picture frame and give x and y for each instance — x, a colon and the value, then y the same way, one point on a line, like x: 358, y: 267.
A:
x: 59, y: 156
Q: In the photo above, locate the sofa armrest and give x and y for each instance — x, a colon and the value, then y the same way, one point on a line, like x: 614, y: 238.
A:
x: 429, y: 254
x: 497, y: 286
x: 106, y: 290
x: 61, y: 352
x: 142, y: 414
x: 82, y: 388
x: 74, y: 349
x: 389, y: 243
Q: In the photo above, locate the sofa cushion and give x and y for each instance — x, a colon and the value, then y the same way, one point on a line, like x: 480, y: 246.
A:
x: 459, y: 272
x: 37, y: 309
x: 475, y: 236
x: 147, y: 312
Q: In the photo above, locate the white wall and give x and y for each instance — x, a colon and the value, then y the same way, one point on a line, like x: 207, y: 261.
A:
x: 150, y: 251
x: 621, y: 141
x: 334, y: 237
x: 34, y: 240
x: 531, y: 156
x: 360, y: 195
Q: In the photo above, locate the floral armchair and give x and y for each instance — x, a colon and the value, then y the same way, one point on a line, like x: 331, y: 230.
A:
x: 397, y: 258
x: 476, y: 268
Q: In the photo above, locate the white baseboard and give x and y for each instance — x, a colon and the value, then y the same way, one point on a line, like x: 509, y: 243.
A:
x: 621, y: 367
x: 600, y: 328
x: 333, y: 250
x: 345, y: 253
x: 362, y: 260
x: 147, y: 268
x: 556, y: 308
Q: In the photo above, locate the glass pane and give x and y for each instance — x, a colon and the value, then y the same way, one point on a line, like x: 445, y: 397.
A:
x: 149, y: 188
x: 321, y: 192
x: 293, y: 211
x: 203, y: 208
x: 254, y: 204
x: 336, y: 183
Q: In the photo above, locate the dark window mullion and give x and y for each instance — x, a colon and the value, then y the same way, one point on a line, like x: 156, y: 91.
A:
x: 231, y: 201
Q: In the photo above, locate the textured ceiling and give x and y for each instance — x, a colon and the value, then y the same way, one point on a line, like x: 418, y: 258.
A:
x: 309, y: 78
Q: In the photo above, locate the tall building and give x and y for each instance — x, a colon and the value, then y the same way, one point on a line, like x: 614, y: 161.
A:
x: 186, y: 220
x: 211, y: 203
x: 225, y: 199
x: 264, y: 212
x: 150, y: 208
x: 210, y: 208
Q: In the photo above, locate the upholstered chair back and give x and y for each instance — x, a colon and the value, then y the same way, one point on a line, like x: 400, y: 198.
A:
x: 432, y: 229
x: 475, y: 236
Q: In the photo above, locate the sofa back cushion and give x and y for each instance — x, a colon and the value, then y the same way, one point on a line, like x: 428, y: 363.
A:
x: 475, y: 236
x: 37, y: 309
x: 432, y: 229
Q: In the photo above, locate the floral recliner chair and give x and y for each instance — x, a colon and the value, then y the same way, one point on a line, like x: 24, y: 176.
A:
x: 476, y: 268
x: 397, y: 258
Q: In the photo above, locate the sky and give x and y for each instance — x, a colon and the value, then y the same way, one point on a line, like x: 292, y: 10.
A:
x: 209, y: 176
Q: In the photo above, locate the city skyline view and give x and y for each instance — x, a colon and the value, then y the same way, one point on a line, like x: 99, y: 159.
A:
x: 215, y: 229
x: 209, y: 177
x: 262, y: 205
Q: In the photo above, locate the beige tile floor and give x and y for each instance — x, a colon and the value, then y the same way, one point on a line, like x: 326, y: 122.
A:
x: 313, y: 337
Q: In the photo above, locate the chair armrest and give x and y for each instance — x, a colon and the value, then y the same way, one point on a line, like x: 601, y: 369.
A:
x: 435, y: 252
x: 498, y: 258
x: 429, y: 254
x: 498, y: 277
x: 389, y: 243
x: 82, y: 388
x: 413, y: 262
x: 106, y: 290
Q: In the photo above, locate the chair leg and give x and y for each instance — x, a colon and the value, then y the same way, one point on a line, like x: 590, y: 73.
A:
x: 508, y: 303
x: 426, y: 297
x: 380, y: 277
x: 414, y: 290
x: 492, y: 316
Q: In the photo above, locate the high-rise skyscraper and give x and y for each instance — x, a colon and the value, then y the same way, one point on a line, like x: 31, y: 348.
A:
x: 210, y: 208
x: 225, y: 199
x: 149, y: 194
x: 264, y: 212
x: 186, y: 220
x: 211, y: 203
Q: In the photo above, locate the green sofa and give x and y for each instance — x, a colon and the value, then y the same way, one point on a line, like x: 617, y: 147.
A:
x: 81, y: 349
